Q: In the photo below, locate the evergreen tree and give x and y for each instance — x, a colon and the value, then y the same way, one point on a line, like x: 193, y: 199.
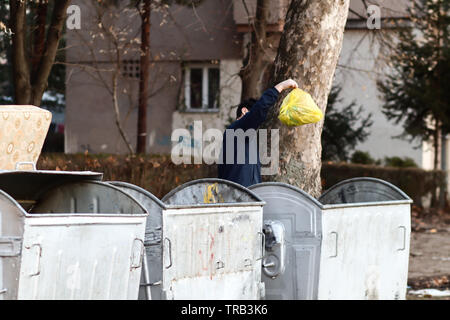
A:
x: 417, y: 92
x: 341, y: 132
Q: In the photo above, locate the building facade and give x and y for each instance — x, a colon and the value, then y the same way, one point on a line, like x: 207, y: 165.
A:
x: 197, y: 54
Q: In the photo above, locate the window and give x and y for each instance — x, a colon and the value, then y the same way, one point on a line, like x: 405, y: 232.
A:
x: 131, y: 68
x: 201, y: 87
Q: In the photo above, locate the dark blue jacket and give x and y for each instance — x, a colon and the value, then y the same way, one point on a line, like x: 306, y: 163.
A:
x: 248, y: 173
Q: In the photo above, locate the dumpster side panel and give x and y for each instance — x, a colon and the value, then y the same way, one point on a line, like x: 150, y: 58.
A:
x: 153, y: 234
x: 365, y: 252
x: 212, y: 252
x: 11, y: 232
x: 301, y: 220
x: 300, y: 215
x: 82, y: 257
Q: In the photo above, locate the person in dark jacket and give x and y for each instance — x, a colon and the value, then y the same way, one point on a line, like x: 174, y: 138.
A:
x: 243, y: 166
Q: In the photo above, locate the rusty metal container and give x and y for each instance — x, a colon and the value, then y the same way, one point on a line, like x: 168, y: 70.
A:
x: 204, y: 240
x: 212, y: 241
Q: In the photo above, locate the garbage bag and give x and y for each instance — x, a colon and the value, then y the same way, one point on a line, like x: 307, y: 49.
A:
x: 299, y: 108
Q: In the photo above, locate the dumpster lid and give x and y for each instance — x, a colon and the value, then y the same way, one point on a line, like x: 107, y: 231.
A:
x: 279, y: 190
x: 363, y: 190
x: 27, y: 185
x: 211, y: 192
x: 139, y: 190
x: 87, y: 198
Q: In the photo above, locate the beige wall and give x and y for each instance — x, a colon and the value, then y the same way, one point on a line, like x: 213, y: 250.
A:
x: 360, y: 66
x: 209, y: 33
x: 230, y: 93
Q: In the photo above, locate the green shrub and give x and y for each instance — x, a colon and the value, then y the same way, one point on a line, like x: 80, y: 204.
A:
x: 362, y: 157
x: 405, y: 162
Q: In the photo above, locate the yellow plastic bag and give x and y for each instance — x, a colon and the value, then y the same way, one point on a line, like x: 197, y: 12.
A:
x: 298, y: 108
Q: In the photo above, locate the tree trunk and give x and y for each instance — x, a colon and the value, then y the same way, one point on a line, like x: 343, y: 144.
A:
x: 39, y: 36
x: 436, y: 162
x: 30, y: 86
x: 20, y: 63
x: 437, y: 147
x: 308, y: 53
x: 39, y: 83
x: 254, y: 62
x: 143, y: 80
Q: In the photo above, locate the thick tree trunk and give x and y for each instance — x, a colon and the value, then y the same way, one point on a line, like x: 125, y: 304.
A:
x: 143, y: 81
x: 308, y: 53
x: 255, y: 62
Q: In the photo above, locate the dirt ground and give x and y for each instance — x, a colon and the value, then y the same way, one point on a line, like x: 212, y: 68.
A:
x: 429, y: 262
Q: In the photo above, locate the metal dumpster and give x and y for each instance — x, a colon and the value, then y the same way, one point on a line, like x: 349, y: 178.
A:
x: 66, y: 235
x: 151, y: 278
x: 212, y: 241
x: 352, y: 243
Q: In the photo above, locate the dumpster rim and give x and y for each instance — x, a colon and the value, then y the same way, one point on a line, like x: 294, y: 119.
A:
x: 52, y: 172
x: 288, y: 186
x: 366, y: 204
x: 9, y: 197
x: 102, y: 183
x: 386, y: 183
x: 214, y: 205
x: 138, y: 189
x: 258, y: 201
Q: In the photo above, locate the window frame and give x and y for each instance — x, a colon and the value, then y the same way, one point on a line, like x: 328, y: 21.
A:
x: 205, y: 86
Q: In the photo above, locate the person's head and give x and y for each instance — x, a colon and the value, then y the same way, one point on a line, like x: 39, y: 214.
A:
x: 244, y: 107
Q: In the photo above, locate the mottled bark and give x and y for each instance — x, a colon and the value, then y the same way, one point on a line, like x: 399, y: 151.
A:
x: 308, y: 53
x: 144, y: 75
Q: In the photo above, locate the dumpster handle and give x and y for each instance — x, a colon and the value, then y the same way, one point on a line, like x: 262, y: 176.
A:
x: 336, y: 245
x: 38, y: 264
x: 263, y: 249
x: 25, y: 162
x: 404, y: 238
x: 141, y: 254
x: 170, y: 252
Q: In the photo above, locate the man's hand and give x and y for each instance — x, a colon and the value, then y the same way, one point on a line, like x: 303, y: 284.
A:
x: 286, y: 84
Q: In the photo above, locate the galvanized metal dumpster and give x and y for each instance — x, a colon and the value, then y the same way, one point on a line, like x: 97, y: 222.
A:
x: 351, y: 244
x: 65, y: 236
x: 212, y: 241
x: 151, y: 278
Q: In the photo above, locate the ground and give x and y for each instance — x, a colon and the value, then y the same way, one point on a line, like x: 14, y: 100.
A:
x: 429, y: 263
